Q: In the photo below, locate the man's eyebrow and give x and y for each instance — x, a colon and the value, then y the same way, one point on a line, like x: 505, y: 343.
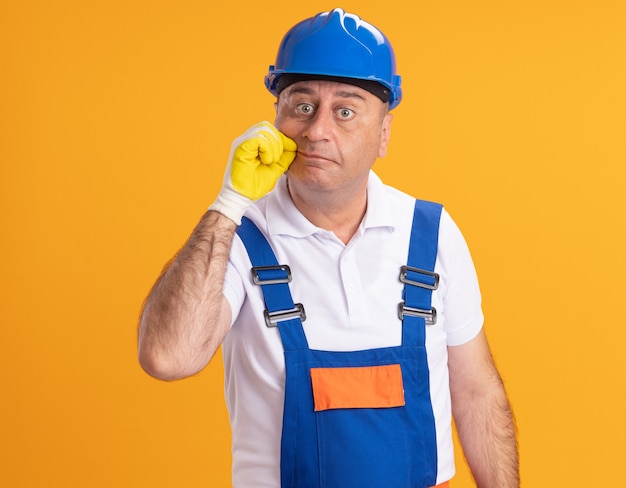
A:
x: 350, y: 94
x: 301, y: 89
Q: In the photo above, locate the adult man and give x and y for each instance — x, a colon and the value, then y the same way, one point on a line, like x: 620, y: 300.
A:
x: 346, y: 387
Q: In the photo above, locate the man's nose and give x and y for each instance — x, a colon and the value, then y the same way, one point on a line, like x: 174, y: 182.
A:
x: 319, y: 126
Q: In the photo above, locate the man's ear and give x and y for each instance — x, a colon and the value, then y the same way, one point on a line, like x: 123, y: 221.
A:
x: 385, y: 135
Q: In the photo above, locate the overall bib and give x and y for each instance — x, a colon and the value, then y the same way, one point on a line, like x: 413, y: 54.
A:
x: 358, y: 419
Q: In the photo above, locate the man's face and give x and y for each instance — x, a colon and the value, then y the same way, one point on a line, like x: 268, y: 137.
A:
x: 340, y: 130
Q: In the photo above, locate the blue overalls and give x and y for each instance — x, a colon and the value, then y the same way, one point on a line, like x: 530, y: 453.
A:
x: 358, y: 419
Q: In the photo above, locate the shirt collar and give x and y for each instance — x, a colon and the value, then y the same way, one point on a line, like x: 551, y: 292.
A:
x: 284, y: 218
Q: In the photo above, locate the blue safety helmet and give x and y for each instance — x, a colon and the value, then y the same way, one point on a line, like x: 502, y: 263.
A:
x: 340, y: 45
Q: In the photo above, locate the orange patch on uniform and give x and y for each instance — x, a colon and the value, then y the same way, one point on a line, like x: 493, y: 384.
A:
x: 358, y: 387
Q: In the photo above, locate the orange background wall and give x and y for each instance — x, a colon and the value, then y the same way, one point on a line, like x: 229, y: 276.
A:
x: 116, y: 119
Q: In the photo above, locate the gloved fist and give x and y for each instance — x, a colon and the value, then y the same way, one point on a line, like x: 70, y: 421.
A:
x: 257, y: 159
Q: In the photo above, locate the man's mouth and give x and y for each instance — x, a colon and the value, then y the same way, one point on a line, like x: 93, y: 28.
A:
x: 312, y: 156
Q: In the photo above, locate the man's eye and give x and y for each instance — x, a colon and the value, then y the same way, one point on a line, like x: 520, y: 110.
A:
x: 305, y: 108
x: 345, y: 113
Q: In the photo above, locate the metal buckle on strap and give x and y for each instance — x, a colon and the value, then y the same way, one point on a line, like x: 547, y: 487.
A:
x: 430, y: 316
x: 256, y: 278
x: 272, y: 318
x: 404, y: 270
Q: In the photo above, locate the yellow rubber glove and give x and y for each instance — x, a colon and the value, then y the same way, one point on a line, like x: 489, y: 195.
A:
x: 257, y: 159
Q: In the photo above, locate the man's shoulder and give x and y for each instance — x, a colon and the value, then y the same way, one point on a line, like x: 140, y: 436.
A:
x: 398, y: 197
x: 394, y: 193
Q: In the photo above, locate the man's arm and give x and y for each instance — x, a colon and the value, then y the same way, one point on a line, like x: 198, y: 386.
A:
x: 483, y: 415
x: 185, y: 316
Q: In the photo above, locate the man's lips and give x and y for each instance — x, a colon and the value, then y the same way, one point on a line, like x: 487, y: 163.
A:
x: 313, y: 156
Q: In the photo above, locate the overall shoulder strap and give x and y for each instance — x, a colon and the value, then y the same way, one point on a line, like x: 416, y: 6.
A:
x: 419, y: 275
x: 273, y: 278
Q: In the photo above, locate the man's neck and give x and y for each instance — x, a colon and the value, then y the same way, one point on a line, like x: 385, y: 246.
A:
x: 340, y: 214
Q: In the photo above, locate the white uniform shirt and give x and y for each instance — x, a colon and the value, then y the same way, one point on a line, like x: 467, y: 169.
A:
x: 350, y: 294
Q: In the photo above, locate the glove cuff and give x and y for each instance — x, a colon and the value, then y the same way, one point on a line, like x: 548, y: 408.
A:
x: 231, y: 204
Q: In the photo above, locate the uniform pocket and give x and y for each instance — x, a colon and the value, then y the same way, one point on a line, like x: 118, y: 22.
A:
x: 360, y: 415
x: 375, y: 426
x: 357, y: 387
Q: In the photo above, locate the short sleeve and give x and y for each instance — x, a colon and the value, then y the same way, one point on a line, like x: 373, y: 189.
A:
x: 462, y: 302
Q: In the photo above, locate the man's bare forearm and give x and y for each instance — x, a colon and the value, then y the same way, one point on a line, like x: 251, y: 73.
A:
x: 483, y: 415
x: 185, y: 315
x: 487, y: 432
